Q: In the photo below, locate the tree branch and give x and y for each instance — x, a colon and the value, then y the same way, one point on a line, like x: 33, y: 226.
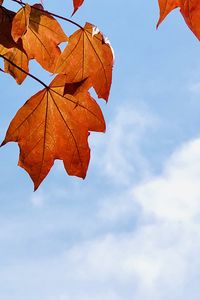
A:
x: 25, y: 72
x: 51, y: 13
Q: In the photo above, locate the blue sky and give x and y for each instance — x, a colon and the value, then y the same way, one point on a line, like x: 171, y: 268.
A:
x: 131, y: 229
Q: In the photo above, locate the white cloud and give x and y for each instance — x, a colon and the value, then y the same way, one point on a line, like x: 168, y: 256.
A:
x: 174, y: 196
x: 156, y: 259
x: 136, y: 262
x: 122, y: 145
x: 159, y: 259
x: 114, y: 209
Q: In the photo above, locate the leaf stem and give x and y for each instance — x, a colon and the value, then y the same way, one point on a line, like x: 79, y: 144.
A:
x: 25, y: 72
x: 51, y: 13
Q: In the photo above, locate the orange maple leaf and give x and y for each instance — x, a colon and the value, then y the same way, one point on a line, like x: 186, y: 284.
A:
x: 88, y: 54
x: 55, y: 124
x: 40, y: 33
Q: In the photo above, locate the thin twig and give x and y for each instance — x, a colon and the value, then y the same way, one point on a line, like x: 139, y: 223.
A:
x: 25, y: 72
x: 51, y: 13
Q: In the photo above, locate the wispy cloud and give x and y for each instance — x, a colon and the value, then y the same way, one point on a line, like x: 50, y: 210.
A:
x: 157, y: 258
x: 175, y: 195
x: 120, y: 157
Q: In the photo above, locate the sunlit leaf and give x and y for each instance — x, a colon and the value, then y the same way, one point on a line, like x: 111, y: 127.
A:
x: 88, y: 54
x: 40, y: 33
x: 54, y: 124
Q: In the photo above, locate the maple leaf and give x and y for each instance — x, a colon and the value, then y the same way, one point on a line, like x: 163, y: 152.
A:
x: 40, y: 33
x: 54, y: 124
x: 77, y: 4
x: 88, y: 54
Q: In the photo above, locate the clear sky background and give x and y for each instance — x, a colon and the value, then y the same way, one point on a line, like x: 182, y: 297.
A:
x: 131, y: 229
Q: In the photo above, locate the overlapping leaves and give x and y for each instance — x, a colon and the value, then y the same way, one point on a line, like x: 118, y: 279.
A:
x: 40, y: 34
x: 88, y: 54
x: 55, y: 122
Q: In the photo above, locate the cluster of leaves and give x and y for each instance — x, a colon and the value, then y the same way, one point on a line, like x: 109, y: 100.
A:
x: 190, y: 10
x: 55, y: 123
